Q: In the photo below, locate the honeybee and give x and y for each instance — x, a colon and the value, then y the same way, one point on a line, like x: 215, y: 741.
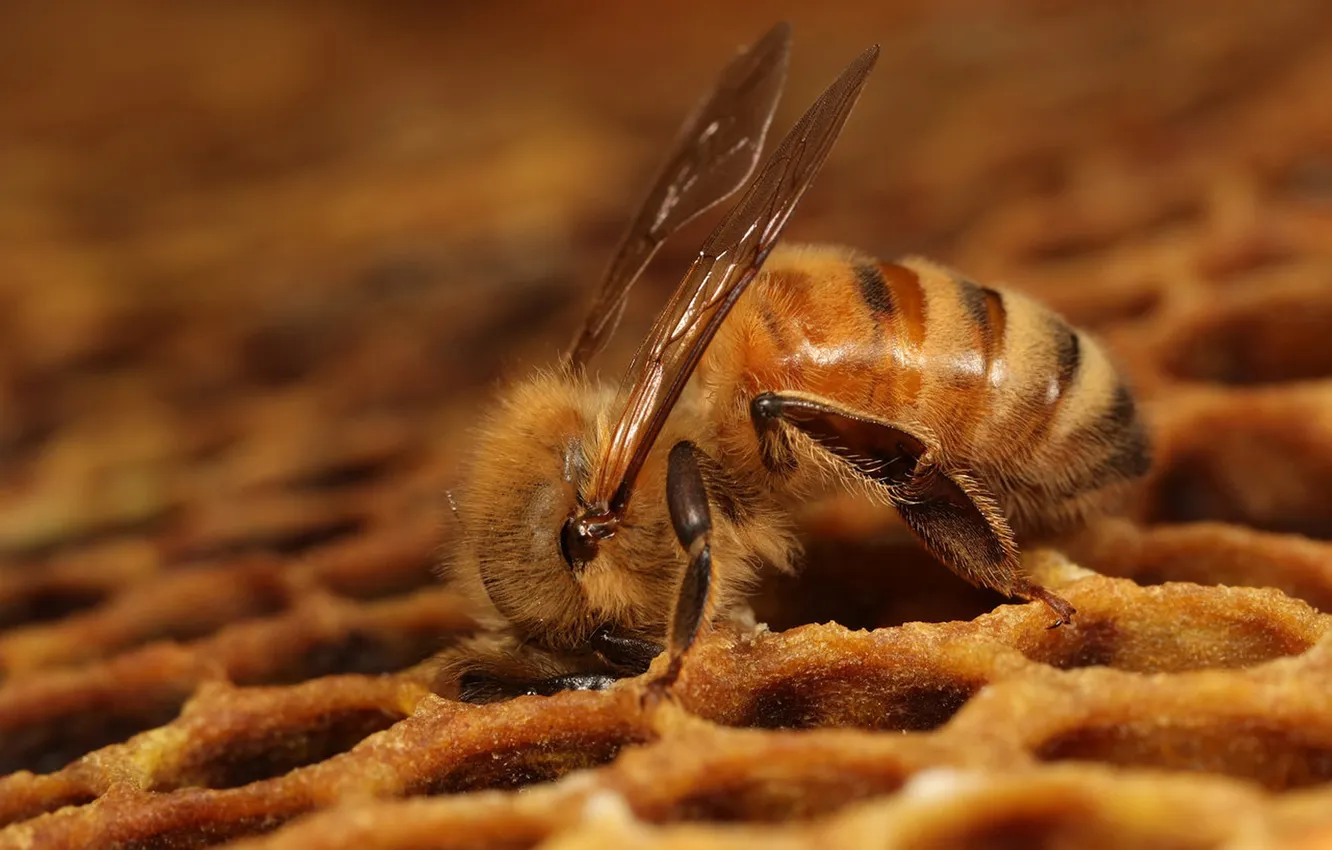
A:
x: 598, y: 526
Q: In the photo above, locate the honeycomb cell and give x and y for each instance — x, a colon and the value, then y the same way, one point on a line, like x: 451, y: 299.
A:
x: 1019, y: 810
x: 1143, y: 641
x: 42, y: 604
x: 1277, y: 757
x: 756, y: 799
x: 270, y: 752
x: 530, y: 763
x: 1259, y: 465
x: 853, y: 696
x: 1281, y: 338
x: 1043, y: 825
x: 43, y: 741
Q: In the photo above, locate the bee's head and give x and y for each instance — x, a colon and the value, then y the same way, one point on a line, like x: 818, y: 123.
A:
x: 521, y: 508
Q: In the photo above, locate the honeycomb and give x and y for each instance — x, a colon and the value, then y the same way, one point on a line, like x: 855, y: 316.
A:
x: 260, y: 265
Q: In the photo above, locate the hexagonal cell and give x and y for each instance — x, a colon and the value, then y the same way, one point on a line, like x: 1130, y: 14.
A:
x: 1255, y: 748
x: 1211, y: 554
x: 757, y: 798
x: 529, y: 763
x: 264, y: 753
x: 1000, y: 815
x: 1157, y: 637
x: 1261, y: 465
x: 357, y: 650
x: 853, y: 695
x: 863, y: 582
x: 48, y: 740
x: 1281, y: 337
x: 43, y: 603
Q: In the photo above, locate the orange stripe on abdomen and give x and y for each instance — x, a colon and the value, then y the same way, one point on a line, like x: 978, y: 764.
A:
x: 904, y: 320
x: 1047, y: 390
x: 977, y: 371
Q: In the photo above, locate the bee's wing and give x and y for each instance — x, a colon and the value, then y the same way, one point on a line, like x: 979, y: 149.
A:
x: 725, y: 265
x: 715, y: 153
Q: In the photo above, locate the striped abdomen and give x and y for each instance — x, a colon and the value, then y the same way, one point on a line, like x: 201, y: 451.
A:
x: 995, y: 382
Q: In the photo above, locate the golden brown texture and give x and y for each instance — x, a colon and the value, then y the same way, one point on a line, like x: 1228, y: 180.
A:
x: 258, y: 264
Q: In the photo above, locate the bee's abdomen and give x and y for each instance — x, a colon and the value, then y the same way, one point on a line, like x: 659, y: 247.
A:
x: 1027, y: 401
x: 1004, y: 387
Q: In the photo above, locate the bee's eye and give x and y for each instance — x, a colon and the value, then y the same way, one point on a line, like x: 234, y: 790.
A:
x: 578, y: 545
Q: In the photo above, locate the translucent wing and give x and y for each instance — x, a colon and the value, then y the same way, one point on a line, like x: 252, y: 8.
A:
x: 726, y: 264
x: 715, y: 153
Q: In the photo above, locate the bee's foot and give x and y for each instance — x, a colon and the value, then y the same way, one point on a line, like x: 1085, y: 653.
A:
x: 1063, y: 611
x: 658, y: 690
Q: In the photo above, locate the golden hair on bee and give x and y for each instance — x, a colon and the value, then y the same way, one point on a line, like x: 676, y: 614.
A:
x: 599, y: 525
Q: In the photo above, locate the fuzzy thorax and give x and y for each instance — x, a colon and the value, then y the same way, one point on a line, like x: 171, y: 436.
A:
x: 534, y: 458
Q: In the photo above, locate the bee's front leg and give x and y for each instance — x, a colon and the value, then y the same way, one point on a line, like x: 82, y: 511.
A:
x: 687, y: 500
x: 483, y: 688
x: 628, y: 655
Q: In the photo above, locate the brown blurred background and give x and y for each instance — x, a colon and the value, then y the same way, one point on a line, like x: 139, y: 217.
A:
x: 254, y: 254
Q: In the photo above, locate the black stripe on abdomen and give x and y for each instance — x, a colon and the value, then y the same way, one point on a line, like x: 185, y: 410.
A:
x: 874, y: 290
x: 974, y: 303
x: 1068, y: 356
x: 1121, y: 439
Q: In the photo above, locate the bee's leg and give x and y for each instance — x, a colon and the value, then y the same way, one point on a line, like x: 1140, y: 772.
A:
x: 958, y: 520
x: 952, y: 512
x: 572, y: 682
x: 483, y: 688
x: 631, y: 654
x: 878, y: 450
x: 687, y: 500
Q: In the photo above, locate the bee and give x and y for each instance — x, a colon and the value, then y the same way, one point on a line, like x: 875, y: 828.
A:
x: 599, y: 526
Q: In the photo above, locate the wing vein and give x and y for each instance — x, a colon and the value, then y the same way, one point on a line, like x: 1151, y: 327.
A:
x: 729, y: 259
x: 715, y: 152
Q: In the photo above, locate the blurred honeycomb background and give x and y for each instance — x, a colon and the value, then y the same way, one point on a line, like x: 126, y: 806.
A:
x: 262, y: 262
